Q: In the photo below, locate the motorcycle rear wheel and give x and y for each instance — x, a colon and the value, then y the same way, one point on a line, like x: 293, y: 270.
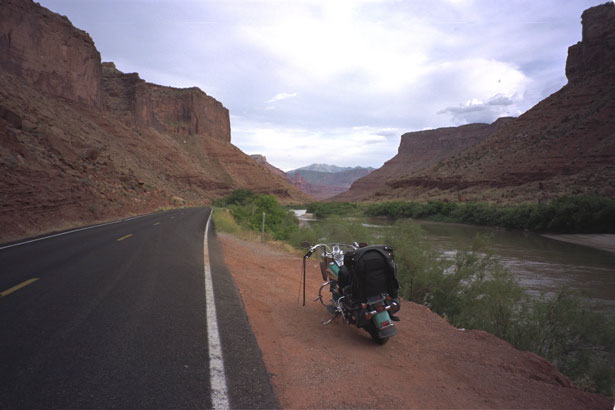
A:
x: 371, y: 329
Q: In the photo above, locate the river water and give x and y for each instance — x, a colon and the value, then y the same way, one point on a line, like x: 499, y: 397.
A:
x: 542, y: 265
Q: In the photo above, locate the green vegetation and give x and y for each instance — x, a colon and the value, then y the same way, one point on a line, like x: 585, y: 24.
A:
x: 471, y: 289
x: 579, y: 214
x: 225, y: 222
x: 247, y: 210
x: 474, y: 291
x: 326, y: 209
x: 572, y: 214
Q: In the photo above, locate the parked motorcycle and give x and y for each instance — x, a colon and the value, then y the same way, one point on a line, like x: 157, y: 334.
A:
x: 363, y: 285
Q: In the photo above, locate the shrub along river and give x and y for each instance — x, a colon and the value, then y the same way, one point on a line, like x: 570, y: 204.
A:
x: 542, y: 265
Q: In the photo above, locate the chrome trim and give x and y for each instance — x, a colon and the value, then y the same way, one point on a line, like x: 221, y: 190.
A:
x: 319, y: 297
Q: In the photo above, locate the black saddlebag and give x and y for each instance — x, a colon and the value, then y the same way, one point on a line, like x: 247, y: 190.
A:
x: 372, y: 271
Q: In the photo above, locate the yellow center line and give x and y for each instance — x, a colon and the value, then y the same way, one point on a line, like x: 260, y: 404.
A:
x: 124, y: 237
x: 17, y: 287
x: 157, y: 223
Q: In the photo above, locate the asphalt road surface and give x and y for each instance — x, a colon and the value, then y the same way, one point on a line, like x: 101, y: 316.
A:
x: 115, y: 317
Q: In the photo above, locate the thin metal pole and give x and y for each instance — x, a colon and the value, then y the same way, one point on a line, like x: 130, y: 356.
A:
x: 263, y: 229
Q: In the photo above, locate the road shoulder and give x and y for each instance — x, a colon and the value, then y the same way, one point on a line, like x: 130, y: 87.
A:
x: 248, y: 382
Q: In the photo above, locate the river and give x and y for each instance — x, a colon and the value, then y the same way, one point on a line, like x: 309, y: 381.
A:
x: 542, y: 265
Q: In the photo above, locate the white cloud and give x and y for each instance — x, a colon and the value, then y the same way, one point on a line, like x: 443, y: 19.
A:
x: 476, y: 110
x: 280, y: 97
x: 290, y: 148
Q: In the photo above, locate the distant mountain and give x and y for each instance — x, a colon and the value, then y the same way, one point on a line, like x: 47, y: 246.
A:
x: 326, y: 168
x: 326, y: 181
x: 315, y: 182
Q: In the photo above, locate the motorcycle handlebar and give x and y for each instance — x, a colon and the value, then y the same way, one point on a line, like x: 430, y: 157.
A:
x: 327, y: 247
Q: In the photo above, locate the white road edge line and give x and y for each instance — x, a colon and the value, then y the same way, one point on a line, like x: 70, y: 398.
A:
x: 73, y: 231
x: 219, y: 395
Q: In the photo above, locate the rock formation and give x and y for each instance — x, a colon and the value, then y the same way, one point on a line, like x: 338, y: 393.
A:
x: 593, y: 56
x: 174, y: 111
x: 418, y: 150
x: 329, y: 183
x: 564, y: 145
x: 46, y: 51
x: 262, y: 160
x: 82, y: 142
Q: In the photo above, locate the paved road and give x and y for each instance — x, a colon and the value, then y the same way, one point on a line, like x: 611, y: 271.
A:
x: 117, y: 319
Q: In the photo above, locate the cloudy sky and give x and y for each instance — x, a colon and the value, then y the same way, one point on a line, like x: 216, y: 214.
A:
x: 336, y: 81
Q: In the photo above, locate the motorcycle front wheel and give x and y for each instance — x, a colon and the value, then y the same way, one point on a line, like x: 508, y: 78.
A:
x: 371, y: 329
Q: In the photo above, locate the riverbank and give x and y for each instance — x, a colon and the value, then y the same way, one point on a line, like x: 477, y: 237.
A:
x: 605, y: 242
x: 429, y: 364
x: 567, y: 215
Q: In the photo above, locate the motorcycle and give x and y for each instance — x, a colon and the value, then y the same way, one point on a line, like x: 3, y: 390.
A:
x: 363, y: 285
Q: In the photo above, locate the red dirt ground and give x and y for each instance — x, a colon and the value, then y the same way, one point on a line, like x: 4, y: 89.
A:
x: 429, y: 364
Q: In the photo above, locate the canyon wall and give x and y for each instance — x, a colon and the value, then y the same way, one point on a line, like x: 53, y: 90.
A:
x: 174, y: 111
x: 418, y: 150
x: 593, y: 55
x: 46, y: 51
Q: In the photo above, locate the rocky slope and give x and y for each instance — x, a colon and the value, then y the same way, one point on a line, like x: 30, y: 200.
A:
x: 323, y: 181
x: 82, y: 142
x: 562, y: 146
x: 418, y: 150
x: 299, y: 183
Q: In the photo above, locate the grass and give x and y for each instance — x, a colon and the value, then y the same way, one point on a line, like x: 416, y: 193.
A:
x: 225, y: 222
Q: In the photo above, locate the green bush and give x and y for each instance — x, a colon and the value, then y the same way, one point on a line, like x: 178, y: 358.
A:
x: 474, y: 291
x: 247, y: 208
x: 580, y: 214
x: 237, y: 197
x: 581, y: 343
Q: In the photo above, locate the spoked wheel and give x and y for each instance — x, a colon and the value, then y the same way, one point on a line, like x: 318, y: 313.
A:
x: 371, y: 329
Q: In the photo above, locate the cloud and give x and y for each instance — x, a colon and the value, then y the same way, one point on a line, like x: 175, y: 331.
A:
x: 352, y: 146
x: 500, y: 100
x: 476, y: 110
x: 280, y: 97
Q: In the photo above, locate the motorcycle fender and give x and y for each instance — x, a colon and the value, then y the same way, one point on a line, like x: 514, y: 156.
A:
x: 382, y: 319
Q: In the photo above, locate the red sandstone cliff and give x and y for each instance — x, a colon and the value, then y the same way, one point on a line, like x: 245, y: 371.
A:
x: 174, y: 111
x: 564, y: 145
x: 47, y: 52
x: 418, y: 150
x: 79, y: 143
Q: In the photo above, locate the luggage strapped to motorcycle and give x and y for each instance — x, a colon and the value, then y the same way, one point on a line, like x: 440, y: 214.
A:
x: 373, y: 271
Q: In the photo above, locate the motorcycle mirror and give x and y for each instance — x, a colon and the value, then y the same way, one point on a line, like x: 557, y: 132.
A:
x: 362, y: 244
x: 305, y: 244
